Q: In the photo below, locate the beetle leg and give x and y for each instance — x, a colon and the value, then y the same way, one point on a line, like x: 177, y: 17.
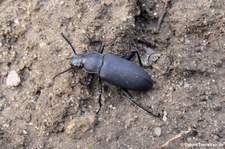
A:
x: 129, y: 96
x: 131, y: 55
x: 89, y: 79
x: 100, y: 95
x: 127, y: 93
x: 101, y: 48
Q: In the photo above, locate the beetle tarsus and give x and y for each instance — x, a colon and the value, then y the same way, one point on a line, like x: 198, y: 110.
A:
x: 100, y: 104
x: 129, y: 96
x: 127, y: 93
x: 100, y: 95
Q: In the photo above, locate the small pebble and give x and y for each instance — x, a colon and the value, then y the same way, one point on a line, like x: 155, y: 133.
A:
x: 165, y: 116
x: 13, y: 79
x: 154, y: 57
x: 157, y: 131
x: 24, y: 132
x: 16, y: 21
x: 189, y: 139
x: 42, y: 45
x: 62, y: 3
x: 150, y: 57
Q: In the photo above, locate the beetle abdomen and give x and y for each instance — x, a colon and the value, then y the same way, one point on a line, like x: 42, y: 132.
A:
x: 124, y: 74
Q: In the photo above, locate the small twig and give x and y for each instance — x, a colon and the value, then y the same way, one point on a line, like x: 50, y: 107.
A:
x: 176, y: 137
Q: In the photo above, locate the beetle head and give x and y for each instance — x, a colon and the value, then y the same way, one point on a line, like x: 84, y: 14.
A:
x: 78, y: 61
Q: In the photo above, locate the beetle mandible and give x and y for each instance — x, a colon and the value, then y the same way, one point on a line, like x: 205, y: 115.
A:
x: 118, y: 71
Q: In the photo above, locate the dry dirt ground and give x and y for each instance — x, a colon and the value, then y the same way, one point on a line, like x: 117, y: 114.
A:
x: 187, y: 64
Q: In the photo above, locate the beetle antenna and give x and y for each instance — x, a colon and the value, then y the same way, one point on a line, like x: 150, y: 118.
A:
x: 62, y: 73
x: 67, y: 40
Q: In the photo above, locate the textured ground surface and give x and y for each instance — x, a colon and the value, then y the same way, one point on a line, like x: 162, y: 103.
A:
x: 189, y: 71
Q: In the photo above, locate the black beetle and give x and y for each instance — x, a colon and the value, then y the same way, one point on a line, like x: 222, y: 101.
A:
x: 119, y: 71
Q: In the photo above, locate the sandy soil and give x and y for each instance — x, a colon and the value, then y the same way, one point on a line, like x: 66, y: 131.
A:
x: 188, y: 98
